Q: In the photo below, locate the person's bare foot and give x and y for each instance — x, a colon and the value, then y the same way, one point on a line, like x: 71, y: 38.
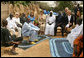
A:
x: 13, y: 52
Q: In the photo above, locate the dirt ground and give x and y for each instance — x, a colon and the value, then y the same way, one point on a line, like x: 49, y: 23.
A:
x: 40, y: 50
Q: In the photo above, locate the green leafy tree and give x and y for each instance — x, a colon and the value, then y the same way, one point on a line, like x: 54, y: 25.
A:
x: 62, y: 4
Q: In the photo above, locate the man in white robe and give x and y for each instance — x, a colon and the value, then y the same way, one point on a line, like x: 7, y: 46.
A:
x: 77, y: 31
x: 50, y: 23
x: 12, y: 25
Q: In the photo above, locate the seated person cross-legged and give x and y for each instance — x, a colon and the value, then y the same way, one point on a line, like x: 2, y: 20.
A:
x: 31, y: 31
x: 8, y: 40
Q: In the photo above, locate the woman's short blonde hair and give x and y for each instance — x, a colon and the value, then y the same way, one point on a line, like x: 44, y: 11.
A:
x: 17, y: 13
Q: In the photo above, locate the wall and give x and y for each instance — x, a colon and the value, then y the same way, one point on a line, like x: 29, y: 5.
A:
x: 4, y: 11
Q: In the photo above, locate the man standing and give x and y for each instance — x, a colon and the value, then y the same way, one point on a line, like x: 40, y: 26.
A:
x: 50, y: 23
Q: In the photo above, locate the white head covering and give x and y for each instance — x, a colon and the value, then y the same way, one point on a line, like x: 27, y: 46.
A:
x: 51, y: 11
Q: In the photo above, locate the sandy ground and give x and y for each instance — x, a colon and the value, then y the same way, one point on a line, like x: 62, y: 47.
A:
x: 40, y: 50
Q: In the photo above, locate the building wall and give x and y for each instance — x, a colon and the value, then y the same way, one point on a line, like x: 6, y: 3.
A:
x: 4, y: 11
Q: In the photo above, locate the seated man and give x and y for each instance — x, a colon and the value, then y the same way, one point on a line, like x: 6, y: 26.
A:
x: 13, y: 26
x: 78, y: 30
x: 30, y: 30
x: 59, y: 22
x: 7, y: 39
x: 78, y: 47
x: 23, y: 19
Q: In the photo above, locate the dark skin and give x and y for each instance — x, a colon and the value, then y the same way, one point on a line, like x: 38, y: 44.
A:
x: 4, y: 23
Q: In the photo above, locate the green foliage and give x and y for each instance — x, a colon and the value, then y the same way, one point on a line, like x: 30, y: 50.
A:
x: 63, y: 4
x: 44, y: 6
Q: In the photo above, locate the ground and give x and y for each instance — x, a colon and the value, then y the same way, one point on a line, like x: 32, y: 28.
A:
x: 39, y: 50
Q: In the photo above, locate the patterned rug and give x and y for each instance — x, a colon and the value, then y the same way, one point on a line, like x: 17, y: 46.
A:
x: 60, y: 47
x: 25, y: 45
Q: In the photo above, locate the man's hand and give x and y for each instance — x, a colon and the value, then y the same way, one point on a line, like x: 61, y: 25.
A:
x: 70, y: 24
x: 59, y: 24
x: 16, y: 29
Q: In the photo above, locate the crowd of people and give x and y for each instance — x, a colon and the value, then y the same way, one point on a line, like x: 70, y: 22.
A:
x: 30, y: 26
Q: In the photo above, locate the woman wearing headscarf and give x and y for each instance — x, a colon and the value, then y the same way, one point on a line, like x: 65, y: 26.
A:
x: 50, y: 24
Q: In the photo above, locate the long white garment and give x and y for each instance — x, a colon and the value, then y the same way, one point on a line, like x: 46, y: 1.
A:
x: 50, y: 28
x: 12, y: 25
x: 30, y: 30
x: 27, y: 28
x: 16, y: 20
x: 78, y: 30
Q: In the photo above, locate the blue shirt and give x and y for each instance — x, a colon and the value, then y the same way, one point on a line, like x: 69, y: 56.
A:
x: 31, y: 19
x: 48, y: 12
x: 45, y: 12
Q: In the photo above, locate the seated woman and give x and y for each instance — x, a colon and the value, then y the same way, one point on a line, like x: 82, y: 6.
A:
x: 31, y: 17
x: 78, y: 17
x: 69, y: 21
x: 78, y: 30
x: 42, y: 22
x: 78, y: 47
x: 30, y: 30
x: 7, y: 39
